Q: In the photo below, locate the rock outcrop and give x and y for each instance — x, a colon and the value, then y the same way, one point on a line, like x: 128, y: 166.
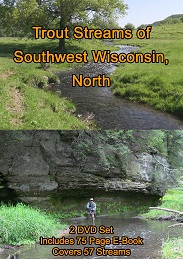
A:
x: 36, y: 166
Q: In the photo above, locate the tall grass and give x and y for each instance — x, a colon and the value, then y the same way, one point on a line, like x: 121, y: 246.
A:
x: 158, y: 85
x: 21, y: 224
x: 38, y: 109
x: 172, y: 200
x: 173, y: 249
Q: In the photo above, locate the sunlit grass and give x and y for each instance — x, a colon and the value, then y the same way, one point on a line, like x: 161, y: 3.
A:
x: 173, y: 199
x: 39, y: 109
x: 173, y: 249
x: 21, y: 224
x: 159, y: 85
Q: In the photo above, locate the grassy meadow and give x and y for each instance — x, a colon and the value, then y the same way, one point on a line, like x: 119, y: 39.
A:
x: 156, y: 84
x: 24, y: 104
x: 21, y: 224
x: 173, y: 199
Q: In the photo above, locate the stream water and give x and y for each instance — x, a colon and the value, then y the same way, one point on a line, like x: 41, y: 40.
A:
x: 108, y: 110
x: 153, y: 233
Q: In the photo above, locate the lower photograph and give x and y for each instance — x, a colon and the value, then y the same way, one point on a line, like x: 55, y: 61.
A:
x: 91, y: 194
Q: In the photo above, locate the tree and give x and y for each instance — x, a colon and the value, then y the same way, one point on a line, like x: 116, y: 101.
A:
x: 82, y: 11
x: 66, y: 11
x: 174, y: 140
x: 129, y: 26
x: 103, y: 22
x: 18, y: 16
x: 142, y: 26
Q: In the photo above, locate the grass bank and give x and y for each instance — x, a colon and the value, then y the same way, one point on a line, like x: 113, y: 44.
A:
x: 106, y: 204
x: 172, y: 248
x: 21, y: 224
x: 24, y: 104
x: 156, y: 84
x: 173, y: 199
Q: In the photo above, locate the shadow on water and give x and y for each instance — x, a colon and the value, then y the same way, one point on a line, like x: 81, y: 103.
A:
x: 153, y: 233
x: 109, y: 111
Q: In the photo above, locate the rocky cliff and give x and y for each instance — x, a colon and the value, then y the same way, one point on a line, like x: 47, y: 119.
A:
x: 37, y: 166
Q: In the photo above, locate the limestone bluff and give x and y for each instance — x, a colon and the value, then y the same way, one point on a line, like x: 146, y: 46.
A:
x: 48, y: 167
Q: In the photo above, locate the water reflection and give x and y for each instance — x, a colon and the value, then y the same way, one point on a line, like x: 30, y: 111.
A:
x: 152, y: 232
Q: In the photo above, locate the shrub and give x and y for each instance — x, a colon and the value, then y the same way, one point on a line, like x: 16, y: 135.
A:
x: 129, y: 26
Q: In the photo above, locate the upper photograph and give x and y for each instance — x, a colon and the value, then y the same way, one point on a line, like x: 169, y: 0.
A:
x: 93, y: 65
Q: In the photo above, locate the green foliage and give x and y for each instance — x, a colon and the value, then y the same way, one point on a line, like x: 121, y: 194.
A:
x: 23, y: 14
x: 35, y: 80
x: 123, y: 142
x: 174, y: 141
x: 20, y: 16
x: 40, y: 109
x: 107, y: 148
x: 112, y: 148
x: 40, y: 81
x: 173, y: 199
x: 53, y: 79
x: 158, y: 85
x: 129, y: 26
x: 47, y: 110
x: 21, y: 224
x: 144, y: 141
x: 117, y: 207
x: 102, y: 22
x: 173, y: 19
x: 172, y: 249
x: 157, y: 139
x: 106, y: 205
x: 142, y: 26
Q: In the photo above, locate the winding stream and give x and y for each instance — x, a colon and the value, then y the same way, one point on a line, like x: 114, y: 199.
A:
x: 152, y: 232
x: 109, y: 111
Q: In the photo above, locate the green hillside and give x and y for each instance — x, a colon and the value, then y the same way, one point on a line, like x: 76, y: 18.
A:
x: 175, y: 18
x: 172, y: 19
